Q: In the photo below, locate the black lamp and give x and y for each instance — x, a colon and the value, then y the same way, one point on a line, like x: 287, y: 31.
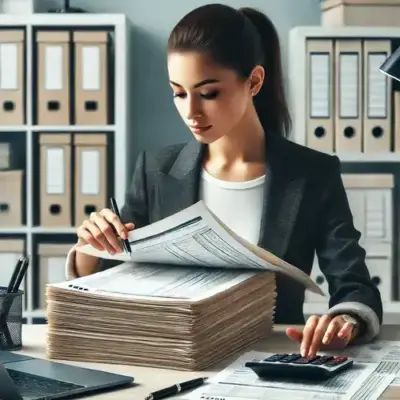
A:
x: 66, y: 9
x: 391, y: 67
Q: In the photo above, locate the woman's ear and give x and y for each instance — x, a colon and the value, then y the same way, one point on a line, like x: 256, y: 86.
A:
x: 256, y: 79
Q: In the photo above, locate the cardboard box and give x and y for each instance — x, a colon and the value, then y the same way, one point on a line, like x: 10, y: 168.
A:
x: 380, y: 13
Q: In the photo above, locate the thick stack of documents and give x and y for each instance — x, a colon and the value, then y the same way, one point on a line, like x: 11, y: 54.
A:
x: 190, y: 294
x: 160, y: 316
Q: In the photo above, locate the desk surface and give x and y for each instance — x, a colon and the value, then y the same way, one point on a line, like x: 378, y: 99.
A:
x: 151, y: 379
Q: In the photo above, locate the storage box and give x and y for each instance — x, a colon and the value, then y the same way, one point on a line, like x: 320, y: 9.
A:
x: 381, y: 13
x: 52, y: 259
x: 11, y: 198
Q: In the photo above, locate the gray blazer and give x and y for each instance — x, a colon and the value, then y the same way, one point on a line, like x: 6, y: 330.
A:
x: 305, y: 211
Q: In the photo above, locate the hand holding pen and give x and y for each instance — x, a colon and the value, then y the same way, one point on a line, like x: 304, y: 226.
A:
x: 105, y: 231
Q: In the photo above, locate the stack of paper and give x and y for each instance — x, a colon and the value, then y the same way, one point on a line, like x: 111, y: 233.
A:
x: 160, y: 316
x: 190, y: 293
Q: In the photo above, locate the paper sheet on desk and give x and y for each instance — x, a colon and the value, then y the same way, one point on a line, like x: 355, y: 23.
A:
x: 384, y: 353
x: 237, y: 382
x: 196, y: 237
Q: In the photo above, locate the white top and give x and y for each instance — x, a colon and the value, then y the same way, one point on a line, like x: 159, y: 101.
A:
x: 237, y: 204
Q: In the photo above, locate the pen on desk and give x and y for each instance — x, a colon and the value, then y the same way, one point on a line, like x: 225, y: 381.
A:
x: 176, y: 389
x: 115, y: 210
x: 14, y: 275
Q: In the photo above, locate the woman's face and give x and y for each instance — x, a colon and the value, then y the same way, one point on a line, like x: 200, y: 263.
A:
x: 210, y: 99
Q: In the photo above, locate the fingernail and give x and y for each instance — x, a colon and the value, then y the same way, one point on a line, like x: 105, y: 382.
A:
x: 124, y: 235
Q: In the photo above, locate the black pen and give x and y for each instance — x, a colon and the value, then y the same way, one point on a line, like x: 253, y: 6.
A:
x: 14, y: 275
x: 115, y: 210
x: 175, y: 389
x: 22, y: 272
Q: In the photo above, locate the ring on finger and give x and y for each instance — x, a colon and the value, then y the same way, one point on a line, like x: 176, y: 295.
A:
x: 94, y: 214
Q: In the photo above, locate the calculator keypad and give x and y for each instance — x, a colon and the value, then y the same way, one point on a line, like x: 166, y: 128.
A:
x: 329, y: 361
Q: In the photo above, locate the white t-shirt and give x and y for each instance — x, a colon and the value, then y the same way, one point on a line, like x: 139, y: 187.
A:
x: 237, y: 204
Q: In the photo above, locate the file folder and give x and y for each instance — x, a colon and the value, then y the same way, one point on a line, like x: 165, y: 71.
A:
x: 11, y: 198
x: 12, y: 71
x: 54, y: 77
x: 55, y: 185
x: 52, y: 258
x: 348, y: 72
x: 90, y: 175
x: 91, y: 78
x: 371, y: 203
x: 378, y: 88
x: 319, y: 87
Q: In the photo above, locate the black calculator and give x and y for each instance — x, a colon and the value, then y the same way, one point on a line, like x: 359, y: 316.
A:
x: 294, y: 366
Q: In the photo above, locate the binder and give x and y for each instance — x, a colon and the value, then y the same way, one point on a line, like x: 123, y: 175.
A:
x: 11, y: 198
x: 90, y: 175
x: 377, y: 107
x: 319, y: 89
x: 4, y: 155
x: 371, y: 203
x: 91, y: 78
x: 54, y: 78
x: 10, y: 251
x: 55, y: 185
x: 52, y: 259
x: 396, y: 118
x: 12, y: 71
x: 348, y: 99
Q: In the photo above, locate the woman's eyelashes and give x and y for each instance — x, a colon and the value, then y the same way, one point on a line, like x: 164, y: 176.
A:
x: 208, y: 96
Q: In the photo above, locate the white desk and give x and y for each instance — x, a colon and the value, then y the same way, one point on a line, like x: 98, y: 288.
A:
x: 151, y: 379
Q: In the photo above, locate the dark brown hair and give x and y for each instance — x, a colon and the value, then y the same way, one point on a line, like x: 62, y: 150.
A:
x: 240, y: 40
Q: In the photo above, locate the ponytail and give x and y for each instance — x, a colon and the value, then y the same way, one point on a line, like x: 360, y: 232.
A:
x: 270, y: 103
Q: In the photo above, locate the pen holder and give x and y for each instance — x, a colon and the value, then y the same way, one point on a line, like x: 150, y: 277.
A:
x: 10, y: 319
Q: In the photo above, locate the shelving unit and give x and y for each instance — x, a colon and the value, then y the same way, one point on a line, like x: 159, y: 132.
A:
x: 368, y: 161
x: 33, y: 233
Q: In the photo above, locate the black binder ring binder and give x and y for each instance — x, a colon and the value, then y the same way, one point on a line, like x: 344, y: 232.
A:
x: 10, y: 319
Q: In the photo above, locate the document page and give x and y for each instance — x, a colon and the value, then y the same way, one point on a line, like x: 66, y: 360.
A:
x: 384, y: 353
x: 159, y: 281
x: 194, y: 237
x: 237, y: 382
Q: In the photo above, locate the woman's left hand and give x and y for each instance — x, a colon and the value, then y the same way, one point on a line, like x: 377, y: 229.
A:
x: 322, y: 332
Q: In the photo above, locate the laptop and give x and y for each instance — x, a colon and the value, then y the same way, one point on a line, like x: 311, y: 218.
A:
x: 29, y: 378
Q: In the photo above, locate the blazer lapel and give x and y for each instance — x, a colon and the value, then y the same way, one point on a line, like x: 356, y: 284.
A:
x: 284, y: 187
x: 178, y: 189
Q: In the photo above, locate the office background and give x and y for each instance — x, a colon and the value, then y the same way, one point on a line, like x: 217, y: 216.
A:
x: 153, y: 120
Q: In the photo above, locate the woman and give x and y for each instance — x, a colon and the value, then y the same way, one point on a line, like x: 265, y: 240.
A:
x: 225, y: 73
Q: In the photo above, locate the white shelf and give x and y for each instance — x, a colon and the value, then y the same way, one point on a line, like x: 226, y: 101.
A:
x: 51, y: 20
x: 119, y: 25
x: 22, y: 229
x: 44, y: 230
x: 72, y: 128
x: 36, y: 314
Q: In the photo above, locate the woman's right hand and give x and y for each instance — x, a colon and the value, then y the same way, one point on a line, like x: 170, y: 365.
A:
x: 101, y: 231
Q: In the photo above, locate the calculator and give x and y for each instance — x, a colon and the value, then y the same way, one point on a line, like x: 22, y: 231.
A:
x: 294, y: 366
